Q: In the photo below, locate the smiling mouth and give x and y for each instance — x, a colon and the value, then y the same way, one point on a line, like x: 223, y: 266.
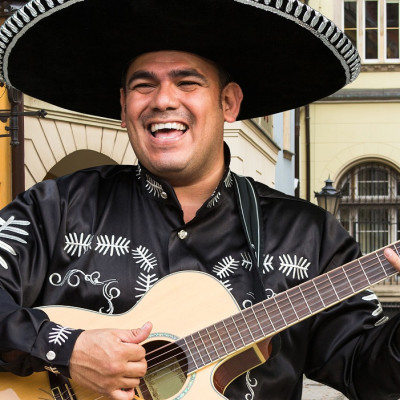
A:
x: 167, y: 129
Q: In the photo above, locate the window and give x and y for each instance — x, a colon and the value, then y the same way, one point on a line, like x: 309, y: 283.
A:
x: 373, y: 27
x: 370, y: 205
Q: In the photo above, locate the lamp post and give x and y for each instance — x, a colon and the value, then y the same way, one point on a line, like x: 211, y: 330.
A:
x: 328, y: 198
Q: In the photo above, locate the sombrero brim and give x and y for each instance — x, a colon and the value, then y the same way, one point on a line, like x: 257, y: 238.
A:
x: 71, y: 53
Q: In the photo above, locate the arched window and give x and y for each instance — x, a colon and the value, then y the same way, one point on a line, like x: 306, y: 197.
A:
x: 370, y: 206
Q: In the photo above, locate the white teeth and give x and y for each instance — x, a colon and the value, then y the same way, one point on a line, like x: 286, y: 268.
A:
x: 168, y: 125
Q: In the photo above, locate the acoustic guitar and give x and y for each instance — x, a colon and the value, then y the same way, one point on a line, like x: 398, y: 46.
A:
x: 201, y: 340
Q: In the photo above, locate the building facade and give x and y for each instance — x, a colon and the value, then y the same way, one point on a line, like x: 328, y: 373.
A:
x: 353, y: 136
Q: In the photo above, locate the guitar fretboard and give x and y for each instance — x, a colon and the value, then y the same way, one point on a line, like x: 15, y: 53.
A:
x: 275, y: 314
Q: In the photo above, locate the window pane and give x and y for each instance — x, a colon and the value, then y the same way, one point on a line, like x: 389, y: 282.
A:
x: 371, y: 14
x: 371, y: 44
x: 392, y: 30
x: 373, y: 182
x: 350, y: 21
x: 392, y: 43
x: 350, y: 14
x: 392, y: 15
x: 373, y: 228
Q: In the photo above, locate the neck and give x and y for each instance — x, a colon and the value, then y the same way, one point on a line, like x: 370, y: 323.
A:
x: 192, y: 196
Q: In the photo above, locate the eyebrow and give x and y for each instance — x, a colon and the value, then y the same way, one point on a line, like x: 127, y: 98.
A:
x: 176, y: 73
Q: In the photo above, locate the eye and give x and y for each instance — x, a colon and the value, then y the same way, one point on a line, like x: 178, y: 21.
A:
x: 188, y: 84
x: 142, y: 87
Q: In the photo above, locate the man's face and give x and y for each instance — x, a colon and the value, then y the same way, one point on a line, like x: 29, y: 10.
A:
x: 173, y: 109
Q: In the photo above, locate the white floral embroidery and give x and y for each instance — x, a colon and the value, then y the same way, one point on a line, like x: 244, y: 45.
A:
x: 53, y: 370
x: 13, y: 232
x: 227, y: 285
x: 228, y: 180
x: 267, y: 264
x: 144, y: 258
x: 247, y: 262
x: 298, y: 269
x: 379, y: 310
x: 226, y: 267
x: 59, y: 335
x: 145, y: 282
x: 73, y: 243
x: 248, y: 302
x: 153, y: 186
x: 269, y: 293
x: 139, y: 172
x: 214, y: 200
x: 250, y: 383
x: 105, y: 244
x: 73, y: 279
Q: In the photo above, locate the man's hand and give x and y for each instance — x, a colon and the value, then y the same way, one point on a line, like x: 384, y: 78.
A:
x: 110, y: 361
x: 392, y: 257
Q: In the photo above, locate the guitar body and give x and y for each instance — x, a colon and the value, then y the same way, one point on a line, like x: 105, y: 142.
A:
x: 177, y: 305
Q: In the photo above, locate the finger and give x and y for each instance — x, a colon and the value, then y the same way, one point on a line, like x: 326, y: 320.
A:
x: 392, y: 257
x: 142, y: 333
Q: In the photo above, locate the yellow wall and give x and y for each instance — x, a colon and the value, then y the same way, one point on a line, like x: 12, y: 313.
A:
x: 5, y: 153
x: 344, y: 133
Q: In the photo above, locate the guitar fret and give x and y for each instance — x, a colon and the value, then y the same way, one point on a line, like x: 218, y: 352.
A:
x: 298, y: 303
x: 216, y: 339
x: 291, y: 304
x: 213, y: 358
x: 305, y: 300
x: 230, y: 337
x: 191, y: 353
x: 264, y: 318
x: 259, y: 325
x: 269, y: 318
x: 313, y: 301
x: 225, y: 337
x: 343, y: 287
x: 326, y: 290
x: 380, y: 262
x: 362, y: 269
x: 348, y: 280
x: 248, y: 319
x: 322, y: 301
x: 237, y: 324
x: 280, y: 312
x: 202, y: 349
x: 333, y: 287
x: 286, y: 308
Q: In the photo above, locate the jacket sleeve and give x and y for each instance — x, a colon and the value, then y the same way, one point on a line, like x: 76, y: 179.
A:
x: 353, y: 347
x: 28, y: 234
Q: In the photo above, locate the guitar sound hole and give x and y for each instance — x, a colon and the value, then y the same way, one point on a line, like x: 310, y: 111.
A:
x: 167, y: 368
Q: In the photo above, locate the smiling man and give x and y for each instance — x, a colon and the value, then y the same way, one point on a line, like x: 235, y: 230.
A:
x: 172, y: 236
x: 175, y: 108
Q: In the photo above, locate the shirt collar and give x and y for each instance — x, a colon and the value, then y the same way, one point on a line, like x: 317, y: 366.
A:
x: 158, y: 189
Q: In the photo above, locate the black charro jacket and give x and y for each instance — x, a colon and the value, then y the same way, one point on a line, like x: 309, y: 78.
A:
x: 101, y: 238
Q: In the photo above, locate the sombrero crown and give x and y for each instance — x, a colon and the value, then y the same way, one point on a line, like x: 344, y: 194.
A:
x: 72, y: 53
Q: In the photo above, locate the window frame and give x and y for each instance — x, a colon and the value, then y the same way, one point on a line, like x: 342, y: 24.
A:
x: 382, y: 31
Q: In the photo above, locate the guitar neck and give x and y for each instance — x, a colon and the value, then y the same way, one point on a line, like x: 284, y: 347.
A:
x: 275, y: 314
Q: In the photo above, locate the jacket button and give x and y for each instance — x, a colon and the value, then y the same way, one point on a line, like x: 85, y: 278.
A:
x: 182, y: 234
x: 50, y: 355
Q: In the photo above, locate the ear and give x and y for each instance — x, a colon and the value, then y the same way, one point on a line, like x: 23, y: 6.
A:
x: 122, y: 100
x: 231, y: 97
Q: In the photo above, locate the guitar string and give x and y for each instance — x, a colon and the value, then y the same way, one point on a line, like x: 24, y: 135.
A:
x: 352, y: 268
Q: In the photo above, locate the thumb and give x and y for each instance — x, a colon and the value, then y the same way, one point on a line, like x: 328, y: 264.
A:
x: 139, y: 334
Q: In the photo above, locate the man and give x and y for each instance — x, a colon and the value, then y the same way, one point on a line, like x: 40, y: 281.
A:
x: 177, y: 210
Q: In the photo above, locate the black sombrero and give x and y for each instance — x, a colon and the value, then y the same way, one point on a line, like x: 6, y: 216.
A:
x: 71, y: 53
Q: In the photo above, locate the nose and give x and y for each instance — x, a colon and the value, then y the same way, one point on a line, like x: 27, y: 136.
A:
x: 165, y: 97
